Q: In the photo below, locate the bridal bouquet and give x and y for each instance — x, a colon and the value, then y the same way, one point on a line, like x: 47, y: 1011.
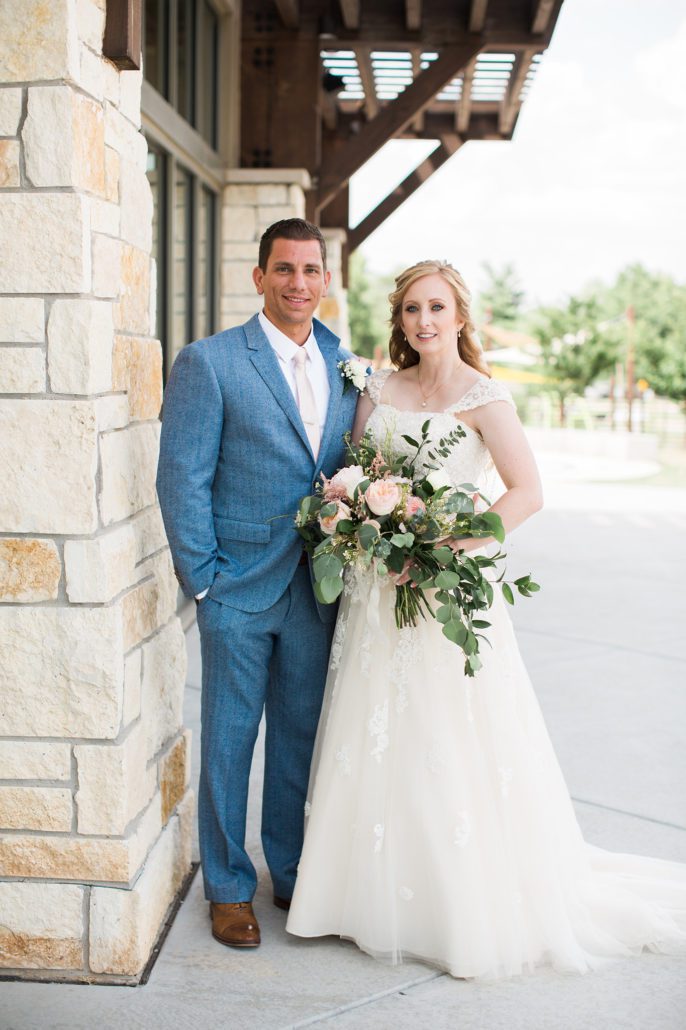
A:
x: 394, y: 515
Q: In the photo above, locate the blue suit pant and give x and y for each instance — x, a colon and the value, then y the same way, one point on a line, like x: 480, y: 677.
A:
x: 273, y: 661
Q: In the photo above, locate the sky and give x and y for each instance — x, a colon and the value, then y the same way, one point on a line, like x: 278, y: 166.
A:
x: 594, y: 179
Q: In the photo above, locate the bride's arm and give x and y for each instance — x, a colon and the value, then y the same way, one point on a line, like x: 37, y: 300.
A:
x: 365, y: 406
x: 504, y: 436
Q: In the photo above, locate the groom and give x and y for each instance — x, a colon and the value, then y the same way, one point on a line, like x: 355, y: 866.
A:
x: 252, y: 416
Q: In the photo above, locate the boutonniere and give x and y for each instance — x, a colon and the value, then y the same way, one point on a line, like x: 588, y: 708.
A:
x: 354, y: 373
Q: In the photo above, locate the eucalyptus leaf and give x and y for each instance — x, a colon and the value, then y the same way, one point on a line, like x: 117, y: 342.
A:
x: 326, y: 565
x: 402, y: 539
x: 447, y: 580
x: 328, y: 589
x: 455, y: 631
x: 396, y: 560
x: 367, y: 535
x: 507, y: 593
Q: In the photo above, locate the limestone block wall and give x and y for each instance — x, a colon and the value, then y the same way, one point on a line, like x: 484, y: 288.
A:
x: 333, y: 309
x: 252, y: 199
x: 94, y: 762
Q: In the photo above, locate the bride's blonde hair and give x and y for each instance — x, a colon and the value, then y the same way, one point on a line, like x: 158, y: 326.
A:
x: 401, y: 353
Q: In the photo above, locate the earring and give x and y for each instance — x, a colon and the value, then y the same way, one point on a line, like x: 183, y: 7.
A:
x: 458, y: 333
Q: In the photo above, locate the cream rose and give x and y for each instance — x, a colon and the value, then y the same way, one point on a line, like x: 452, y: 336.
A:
x: 329, y: 522
x: 382, y: 496
x: 438, y: 479
x: 347, y: 479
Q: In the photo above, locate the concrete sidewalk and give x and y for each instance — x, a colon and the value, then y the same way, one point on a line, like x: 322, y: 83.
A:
x: 606, y: 649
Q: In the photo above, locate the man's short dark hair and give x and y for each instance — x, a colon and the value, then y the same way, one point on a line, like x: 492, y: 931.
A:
x: 289, y: 229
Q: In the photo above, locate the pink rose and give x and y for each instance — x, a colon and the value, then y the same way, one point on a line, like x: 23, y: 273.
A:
x: 414, y: 506
x: 382, y: 496
x: 345, y: 481
x: 330, y: 522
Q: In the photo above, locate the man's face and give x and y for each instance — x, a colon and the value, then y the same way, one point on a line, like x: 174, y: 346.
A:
x: 293, y: 284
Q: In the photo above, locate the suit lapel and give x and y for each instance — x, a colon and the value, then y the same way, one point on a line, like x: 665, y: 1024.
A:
x: 267, y: 364
x: 328, y: 344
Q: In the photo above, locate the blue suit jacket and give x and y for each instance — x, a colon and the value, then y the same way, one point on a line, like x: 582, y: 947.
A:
x: 234, y: 457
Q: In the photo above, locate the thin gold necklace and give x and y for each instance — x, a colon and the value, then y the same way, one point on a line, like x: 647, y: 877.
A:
x: 426, y: 396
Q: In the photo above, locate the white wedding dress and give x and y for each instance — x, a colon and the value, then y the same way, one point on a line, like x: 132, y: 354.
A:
x: 439, y: 826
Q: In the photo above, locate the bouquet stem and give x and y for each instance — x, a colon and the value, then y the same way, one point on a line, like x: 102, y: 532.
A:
x: 408, y: 605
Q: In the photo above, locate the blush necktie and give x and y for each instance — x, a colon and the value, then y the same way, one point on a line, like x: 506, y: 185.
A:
x: 306, y: 401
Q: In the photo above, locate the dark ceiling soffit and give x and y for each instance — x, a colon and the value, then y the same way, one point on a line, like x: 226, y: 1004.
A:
x: 123, y: 34
x: 288, y: 12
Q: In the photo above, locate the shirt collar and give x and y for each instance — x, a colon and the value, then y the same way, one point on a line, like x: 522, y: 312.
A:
x: 282, y: 344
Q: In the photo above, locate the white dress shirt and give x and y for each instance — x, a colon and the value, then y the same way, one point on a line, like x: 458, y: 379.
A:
x: 315, y: 366
x: 315, y: 370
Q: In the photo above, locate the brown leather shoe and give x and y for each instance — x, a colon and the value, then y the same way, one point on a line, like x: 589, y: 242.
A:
x: 235, y: 924
x: 284, y: 903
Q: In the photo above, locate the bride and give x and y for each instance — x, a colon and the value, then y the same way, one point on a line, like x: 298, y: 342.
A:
x: 438, y: 823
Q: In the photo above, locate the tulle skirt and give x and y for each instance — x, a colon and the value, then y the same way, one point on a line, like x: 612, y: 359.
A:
x: 438, y: 824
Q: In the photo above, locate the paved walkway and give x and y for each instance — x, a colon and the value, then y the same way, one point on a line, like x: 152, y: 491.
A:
x: 605, y: 644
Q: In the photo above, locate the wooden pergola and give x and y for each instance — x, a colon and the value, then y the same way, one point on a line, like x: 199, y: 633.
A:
x: 325, y: 83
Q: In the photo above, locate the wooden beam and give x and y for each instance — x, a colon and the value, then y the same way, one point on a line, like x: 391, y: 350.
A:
x: 434, y: 35
x: 481, y: 127
x: 395, y: 116
x: 337, y: 214
x: 364, y: 64
x: 445, y: 149
x: 418, y: 123
x: 541, y: 15
x: 329, y: 110
x: 477, y: 15
x: 123, y: 33
x: 288, y: 12
x: 463, y: 107
x: 278, y: 77
x: 511, y: 103
x: 350, y: 12
x: 413, y: 15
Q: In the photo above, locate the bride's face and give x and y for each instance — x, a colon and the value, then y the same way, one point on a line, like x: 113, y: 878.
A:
x: 429, y: 316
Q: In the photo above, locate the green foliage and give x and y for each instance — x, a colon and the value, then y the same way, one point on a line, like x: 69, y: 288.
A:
x: 577, y: 345
x: 503, y: 296
x: 368, y: 308
x: 659, y: 305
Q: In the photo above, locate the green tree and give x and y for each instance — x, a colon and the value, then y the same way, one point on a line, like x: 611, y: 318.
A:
x: 577, y: 346
x: 501, y: 300
x: 659, y: 305
x: 368, y: 308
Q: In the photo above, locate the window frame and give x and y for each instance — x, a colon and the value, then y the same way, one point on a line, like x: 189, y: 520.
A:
x: 184, y: 147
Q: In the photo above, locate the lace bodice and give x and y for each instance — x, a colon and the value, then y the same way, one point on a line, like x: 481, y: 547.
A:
x: 468, y: 462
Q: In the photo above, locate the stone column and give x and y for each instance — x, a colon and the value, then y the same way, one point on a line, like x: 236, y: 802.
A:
x: 333, y: 309
x: 254, y: 198
x: 94, y: 806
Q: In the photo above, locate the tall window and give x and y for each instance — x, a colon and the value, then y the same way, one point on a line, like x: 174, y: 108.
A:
x: 181, y: 48
x: 181, y: 59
